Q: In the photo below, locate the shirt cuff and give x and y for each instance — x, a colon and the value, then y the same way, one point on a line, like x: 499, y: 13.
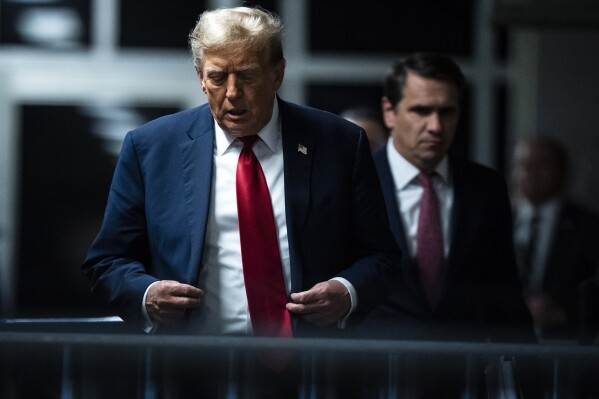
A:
x: 147, y: 324
x: 353, y: 296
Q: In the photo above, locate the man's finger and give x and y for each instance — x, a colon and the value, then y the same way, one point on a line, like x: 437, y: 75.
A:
x: 185, y: 290
x: 314, y: 294
x: 302, y: 297
x: 299, y: 308
x: 181, y: 302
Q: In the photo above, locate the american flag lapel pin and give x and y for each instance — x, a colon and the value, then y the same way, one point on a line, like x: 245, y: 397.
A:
x: 302, y: 148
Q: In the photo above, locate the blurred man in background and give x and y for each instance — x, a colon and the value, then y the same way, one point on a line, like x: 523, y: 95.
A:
x: 556, y: 241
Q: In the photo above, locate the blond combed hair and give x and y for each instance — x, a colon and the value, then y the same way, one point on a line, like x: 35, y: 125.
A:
x: 236, y: 30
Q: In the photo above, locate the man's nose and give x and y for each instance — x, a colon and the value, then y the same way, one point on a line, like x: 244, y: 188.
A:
x: 434, y: 123
x: 234, y: 90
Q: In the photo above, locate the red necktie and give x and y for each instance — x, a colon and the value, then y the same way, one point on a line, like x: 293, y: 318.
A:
x: 429, y: 241
x: 262, y: 270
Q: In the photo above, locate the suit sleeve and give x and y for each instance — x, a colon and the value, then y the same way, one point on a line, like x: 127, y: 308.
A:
x: 118, y: 261
x: 374, y: 270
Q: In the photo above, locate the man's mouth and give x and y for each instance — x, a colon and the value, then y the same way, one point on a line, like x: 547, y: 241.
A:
x: 236, y: 112
x: 432, y: 141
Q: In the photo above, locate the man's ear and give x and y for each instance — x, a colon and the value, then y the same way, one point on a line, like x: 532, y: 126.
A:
x: 201, y: 78
x: 279, y: 74
x: 388, y: 112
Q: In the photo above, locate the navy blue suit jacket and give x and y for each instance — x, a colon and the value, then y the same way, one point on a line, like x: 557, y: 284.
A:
x: 481, y: 293
x: 156, y: 216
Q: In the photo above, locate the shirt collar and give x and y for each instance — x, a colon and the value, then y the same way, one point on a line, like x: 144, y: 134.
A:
x: 404, y: 172
x: 269, y: 134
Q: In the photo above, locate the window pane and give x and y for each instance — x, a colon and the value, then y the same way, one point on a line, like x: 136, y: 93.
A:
x: 391, y: 26
x: 68, y: 154
x: 158, y: 23
x: 336, y: 98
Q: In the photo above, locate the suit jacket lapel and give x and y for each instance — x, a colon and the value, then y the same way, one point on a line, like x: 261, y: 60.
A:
x: 196, y: 158
x: 409, y: 270
x: 388, y: 186
x: 298, y: 150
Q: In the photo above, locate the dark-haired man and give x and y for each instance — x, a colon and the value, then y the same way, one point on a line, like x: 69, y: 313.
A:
x: 450, y: 217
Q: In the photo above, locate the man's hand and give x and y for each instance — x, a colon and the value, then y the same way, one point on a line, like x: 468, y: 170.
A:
x: 325, y: 303
x: 168, y: 300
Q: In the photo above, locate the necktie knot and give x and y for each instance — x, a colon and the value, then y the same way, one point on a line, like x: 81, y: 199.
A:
x: 248, y: 141
x: 425, y: 179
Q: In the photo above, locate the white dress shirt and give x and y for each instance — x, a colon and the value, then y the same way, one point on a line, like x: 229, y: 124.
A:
x: 408, y: 193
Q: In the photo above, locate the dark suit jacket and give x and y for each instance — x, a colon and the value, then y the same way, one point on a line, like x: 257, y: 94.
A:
x: 572, y: 261
x: 481, y: 294
x: 156, y: 216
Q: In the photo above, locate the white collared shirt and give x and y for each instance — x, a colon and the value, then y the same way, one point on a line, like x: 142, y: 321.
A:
x: 408, y: 194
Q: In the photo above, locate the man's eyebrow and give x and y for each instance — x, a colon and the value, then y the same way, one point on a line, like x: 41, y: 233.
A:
x: 248, y: 68
x: 242, y: 69
x: 421, y: 107
x: 212, y: 71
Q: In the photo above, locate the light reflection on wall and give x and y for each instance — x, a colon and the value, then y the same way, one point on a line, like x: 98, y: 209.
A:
x: 55, y: 28
x: 111, y: 123
x: 52, y: 24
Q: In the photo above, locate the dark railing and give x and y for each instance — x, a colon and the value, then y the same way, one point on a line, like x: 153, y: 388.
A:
x: 100, y: 358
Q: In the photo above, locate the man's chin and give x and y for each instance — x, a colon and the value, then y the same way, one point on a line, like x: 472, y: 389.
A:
x: 237, y: 129
x: 432, y: 160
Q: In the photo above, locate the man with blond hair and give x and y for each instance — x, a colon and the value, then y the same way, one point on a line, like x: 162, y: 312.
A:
x: 191, y: 240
